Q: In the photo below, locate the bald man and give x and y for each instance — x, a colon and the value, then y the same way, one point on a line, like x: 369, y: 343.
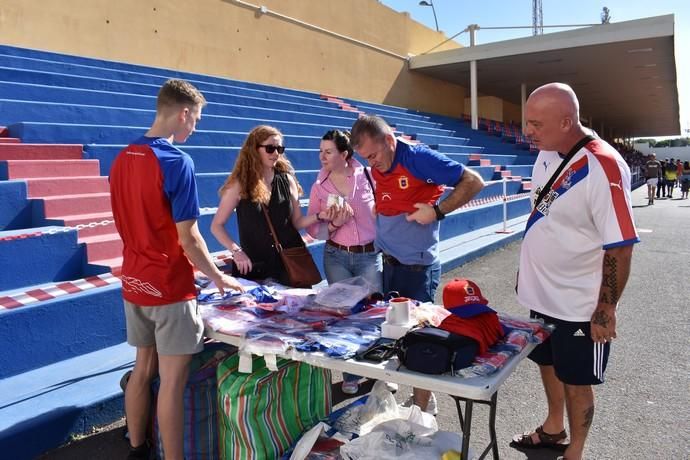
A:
x: 574, y: 262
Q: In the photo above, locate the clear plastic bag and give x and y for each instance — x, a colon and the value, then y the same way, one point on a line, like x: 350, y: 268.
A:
x: 344, y: 294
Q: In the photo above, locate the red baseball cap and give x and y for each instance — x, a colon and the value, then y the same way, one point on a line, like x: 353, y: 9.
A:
x: 461, y: 292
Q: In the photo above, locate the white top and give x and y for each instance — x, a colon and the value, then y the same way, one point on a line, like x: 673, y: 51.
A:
x: 586, y: 212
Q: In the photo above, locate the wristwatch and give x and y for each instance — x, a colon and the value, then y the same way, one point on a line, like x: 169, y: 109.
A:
x: 439, y: 213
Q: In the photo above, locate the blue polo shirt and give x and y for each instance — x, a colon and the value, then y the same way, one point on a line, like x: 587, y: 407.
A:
x: 417, y: 175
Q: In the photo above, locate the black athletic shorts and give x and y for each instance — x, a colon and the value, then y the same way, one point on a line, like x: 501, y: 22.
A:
x: 576, y: 359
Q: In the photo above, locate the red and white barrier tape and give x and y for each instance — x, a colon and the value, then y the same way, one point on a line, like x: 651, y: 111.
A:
x: 55, y: 290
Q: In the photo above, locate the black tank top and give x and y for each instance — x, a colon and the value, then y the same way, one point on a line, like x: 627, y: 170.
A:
x: 255, y: 237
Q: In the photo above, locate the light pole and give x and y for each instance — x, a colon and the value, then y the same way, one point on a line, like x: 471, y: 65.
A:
x: 431, y: 4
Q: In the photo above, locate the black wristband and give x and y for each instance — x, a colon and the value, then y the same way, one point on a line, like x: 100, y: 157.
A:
x: 439, y: 213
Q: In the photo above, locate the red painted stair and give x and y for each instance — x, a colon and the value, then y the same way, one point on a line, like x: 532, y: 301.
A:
x: 54, y: 186
x: 25, y: 169
x: 15, y: 151
x: 72, y: 191
x: 84, y: 203
x: 103, y: 247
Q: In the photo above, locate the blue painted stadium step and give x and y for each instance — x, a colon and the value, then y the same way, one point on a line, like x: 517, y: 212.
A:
x: 409, y: 128
x: 45, y: 332
x: 466, y: 220
x: 430, y: 139
x: 158, y: 77
x: 385, y: 110
x: 15, y: 208
x: 226, y: 105
x: 472, y: 245
x: 33, y: 54
x: 42, y: 409
x: 46, y: 112
x: 52, y: 255
x: 208, y: 185
x: 218, y: 92
x: 71, y: 133
x: 450, y: 149
x: 207, y: 159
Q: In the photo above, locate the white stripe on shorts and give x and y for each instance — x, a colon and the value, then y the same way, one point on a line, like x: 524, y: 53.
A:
x: 599, y: 361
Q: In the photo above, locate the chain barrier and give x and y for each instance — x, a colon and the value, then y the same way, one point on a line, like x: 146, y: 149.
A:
x: 54, y: 231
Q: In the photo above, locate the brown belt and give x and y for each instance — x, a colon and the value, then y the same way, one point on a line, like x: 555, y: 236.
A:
x: 359, y: 249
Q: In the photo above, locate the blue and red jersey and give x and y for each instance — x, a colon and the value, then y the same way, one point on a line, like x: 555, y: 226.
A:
x: 152, y: 187
x: 417, y: 175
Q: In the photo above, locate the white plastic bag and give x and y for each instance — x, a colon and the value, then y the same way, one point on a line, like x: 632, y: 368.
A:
x: 401, y: 440
x: 305, y: 445
x: 381, y: 407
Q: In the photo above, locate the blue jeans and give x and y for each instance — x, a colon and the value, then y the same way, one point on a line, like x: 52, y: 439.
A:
x: 418, y: 282
x: 340, y: 265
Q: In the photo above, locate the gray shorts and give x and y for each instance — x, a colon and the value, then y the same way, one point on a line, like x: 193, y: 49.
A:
x: 174, y: 329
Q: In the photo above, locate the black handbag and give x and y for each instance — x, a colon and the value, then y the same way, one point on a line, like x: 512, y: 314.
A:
x: 299, y: 264
x: 431, y: 350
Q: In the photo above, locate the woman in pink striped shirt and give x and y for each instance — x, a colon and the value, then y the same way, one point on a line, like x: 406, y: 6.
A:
x: 350, y: 235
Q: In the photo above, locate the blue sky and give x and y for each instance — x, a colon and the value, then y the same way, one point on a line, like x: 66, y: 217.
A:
x: 455, y: 15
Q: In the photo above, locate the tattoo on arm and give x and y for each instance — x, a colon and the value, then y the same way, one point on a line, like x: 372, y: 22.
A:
x: 601, y: 318
x: 609, y: 292
x: 589, y: 416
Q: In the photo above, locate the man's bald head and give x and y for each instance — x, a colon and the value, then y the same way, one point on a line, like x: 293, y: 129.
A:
x: 553, y: 117
x: 559, y: 98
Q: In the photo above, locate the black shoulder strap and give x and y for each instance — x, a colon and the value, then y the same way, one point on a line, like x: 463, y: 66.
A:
x: 371, y: 182
x: 584, y: 141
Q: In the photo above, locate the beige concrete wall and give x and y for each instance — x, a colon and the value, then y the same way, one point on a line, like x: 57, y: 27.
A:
x: 221, y: 37
x: 512, y: 113
x: 489, y: 107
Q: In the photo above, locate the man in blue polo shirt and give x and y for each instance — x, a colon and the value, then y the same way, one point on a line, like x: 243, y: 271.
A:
x: 410, y: 180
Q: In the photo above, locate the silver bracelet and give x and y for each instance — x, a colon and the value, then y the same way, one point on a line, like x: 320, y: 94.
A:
x: 235, y: 251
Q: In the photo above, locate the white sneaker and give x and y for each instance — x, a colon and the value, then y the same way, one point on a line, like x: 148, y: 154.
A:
x: 431, y: 408
x: 350, y: 387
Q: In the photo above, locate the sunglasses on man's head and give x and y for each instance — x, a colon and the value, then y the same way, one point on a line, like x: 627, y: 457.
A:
x: 270, y: 148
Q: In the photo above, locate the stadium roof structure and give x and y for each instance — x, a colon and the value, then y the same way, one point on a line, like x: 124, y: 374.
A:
x: 623, y: 73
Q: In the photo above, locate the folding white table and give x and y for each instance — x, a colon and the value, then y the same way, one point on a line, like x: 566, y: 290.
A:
x: 480, y: 390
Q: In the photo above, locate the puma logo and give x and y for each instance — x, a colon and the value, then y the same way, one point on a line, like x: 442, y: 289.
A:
x: 617, y: 184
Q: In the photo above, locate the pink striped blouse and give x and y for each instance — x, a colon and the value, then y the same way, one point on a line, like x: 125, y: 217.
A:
x: 361, y: 228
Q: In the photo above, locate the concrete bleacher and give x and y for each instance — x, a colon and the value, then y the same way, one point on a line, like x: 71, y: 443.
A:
x: 61, y: 321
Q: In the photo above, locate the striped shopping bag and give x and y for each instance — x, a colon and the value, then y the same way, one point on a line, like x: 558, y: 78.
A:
x: 264, y: 412
x: 201, y: 430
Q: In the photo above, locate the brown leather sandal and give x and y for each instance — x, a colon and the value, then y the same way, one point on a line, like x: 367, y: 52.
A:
x: 546, y: 440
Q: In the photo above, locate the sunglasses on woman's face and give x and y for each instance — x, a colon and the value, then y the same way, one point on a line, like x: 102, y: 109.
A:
x: 270, y: 148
